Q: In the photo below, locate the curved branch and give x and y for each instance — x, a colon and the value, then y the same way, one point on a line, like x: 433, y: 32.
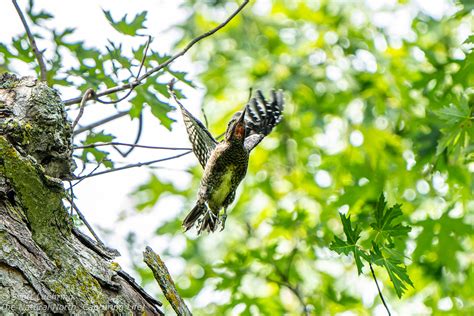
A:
x: 166, y: 63
x: 34, y: 47
x: 81, y: 106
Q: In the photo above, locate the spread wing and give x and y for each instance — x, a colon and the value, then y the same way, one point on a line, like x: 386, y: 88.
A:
x: 261, y: 117
x: 201, y: 140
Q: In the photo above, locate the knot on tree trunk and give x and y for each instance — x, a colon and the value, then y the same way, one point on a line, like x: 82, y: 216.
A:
x: 33, y: 119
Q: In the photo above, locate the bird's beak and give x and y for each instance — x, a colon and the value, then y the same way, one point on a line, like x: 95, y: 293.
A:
x: 242, y: 116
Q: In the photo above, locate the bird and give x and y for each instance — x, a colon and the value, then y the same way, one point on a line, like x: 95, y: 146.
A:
x: 225, y: 163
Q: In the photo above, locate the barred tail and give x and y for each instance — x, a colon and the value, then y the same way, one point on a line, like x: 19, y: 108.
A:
x: 206, y: 219
x: 193, y: 216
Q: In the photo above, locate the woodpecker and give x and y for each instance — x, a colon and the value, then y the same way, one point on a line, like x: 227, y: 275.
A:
x: 225, y: 162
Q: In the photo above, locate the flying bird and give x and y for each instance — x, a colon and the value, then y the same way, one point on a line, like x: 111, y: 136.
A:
x: 225, y: 162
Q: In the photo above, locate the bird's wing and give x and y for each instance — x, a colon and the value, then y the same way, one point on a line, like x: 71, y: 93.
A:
x: 261, y: 117
x: 201, y: 140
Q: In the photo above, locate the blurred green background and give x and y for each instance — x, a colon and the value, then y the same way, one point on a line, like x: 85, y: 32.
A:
x: 379, y: 99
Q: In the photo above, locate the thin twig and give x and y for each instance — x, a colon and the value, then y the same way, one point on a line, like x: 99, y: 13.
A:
x: 34, y: 47
x: 378, y: 289
x: 140, y: 164
x: 205, y: 116
x: 132, y: 87
x: 163, y: 277
x: 166, y: 63
x: 83, y: 219
x: 81, y: 178
x: 144, y: 57
x: 71, y: 194
x: 286, y: 281
x: 129, y: 145
x: 137, y: 138
x: 101, y: 122
x: 250, y: 94
x: 173, y: 93
x: 295, y: 290
x: 82, y: 105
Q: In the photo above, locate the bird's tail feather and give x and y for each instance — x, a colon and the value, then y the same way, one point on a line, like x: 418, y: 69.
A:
x: 206, y: 219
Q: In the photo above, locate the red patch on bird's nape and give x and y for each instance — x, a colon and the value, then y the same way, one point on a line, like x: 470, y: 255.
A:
x: 239, y: 131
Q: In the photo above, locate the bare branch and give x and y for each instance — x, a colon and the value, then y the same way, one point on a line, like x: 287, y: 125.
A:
x: 140, y: 164
x: 81, y: 106
x: 90, y: 173
x: 131, y: 86
x: 296, y: 291
x: 144, y: 57
x: 130, y: 145
x: 166, y: 63
x: 378, y: 289
x: 163, y: 277
x: 137, y: 139
x: 34, y: 47
x: 83, y: 219
x: 101, y: 122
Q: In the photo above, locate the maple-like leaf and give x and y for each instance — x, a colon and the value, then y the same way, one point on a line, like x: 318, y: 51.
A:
x: 386, y: 221
x: 350, y: 245
x: 397, y: 271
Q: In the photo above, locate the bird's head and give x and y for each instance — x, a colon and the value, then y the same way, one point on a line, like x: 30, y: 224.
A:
x: 236, y: 128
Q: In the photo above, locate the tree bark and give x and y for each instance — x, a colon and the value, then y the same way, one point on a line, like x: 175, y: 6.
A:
x: 46, y: 265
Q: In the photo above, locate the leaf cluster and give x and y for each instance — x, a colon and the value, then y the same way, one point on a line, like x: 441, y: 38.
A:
x: 384, y: 252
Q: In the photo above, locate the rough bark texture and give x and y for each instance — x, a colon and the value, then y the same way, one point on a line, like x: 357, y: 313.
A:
x: 46, y: 265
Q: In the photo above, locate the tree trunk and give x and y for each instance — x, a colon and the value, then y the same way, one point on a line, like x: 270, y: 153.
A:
x: 46, y: 265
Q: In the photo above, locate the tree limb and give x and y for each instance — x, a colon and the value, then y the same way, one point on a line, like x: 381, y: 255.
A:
x: 163, y: 277
x: 133, y: 165
x: 129, y: 145
x: 101, y: 122
x: 34, y: 47
x: 81, y: 106
x: 165, y: 64
x: 137, y: 138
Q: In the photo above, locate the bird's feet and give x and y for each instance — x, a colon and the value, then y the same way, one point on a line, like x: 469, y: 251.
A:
x: 223, y: 219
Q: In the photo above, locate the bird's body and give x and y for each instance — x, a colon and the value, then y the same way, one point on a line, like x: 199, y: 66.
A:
x: 224, y: 171
x: 225, y: 163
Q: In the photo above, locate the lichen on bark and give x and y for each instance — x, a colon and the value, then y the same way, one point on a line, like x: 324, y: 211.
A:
x: 44, y: 268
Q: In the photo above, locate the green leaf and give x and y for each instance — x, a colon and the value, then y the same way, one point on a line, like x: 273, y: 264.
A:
x: 37, y: 17
x: 469, y: 39
x: 440, y: 241
x: 384, y: 220
x: 350, y: 245
x: 397, y: 271
x: 147, y: 195
x: 160, y: 110
x: 170, y: 227
x: 100, y: 137
x: 128, y: 28
x: 100, y: 156
x: 181, y: 76
x: 457, y: 131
